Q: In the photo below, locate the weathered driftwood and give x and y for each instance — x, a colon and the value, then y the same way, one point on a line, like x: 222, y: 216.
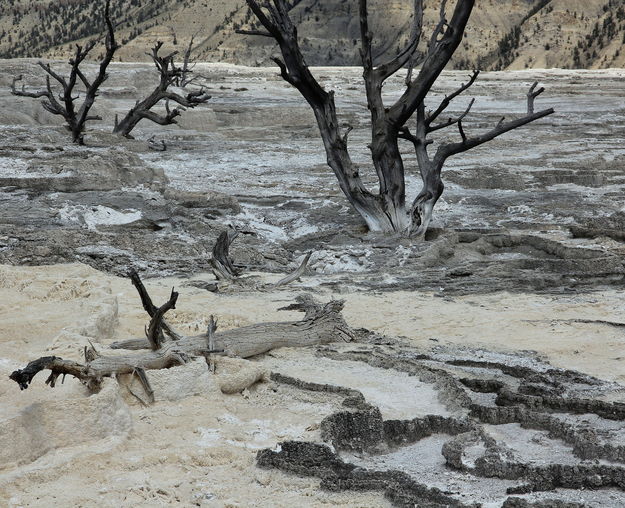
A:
x: 170, y: 74
x: 64, y: 103
x: 222, y: 265
x: 387, y: 210
x: 322, y: 324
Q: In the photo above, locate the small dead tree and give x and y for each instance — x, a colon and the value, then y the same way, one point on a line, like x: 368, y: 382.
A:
x: 170, y: 74
x: 64, y: 103
x: 387, y: 210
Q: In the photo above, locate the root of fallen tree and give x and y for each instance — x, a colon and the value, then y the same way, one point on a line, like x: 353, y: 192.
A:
x: 163, y: 347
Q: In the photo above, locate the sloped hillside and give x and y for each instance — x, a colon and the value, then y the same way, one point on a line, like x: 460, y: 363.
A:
x: 502, y: 34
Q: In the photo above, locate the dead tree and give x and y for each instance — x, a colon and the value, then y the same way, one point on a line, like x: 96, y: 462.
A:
x: 297, y: 274
x: 162, y: 348
x: 187, y: 74
x: 170, y: 74
x: 387, y: 210
x: 64, y: 103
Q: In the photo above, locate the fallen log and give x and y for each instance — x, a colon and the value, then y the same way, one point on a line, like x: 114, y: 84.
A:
x: 322, y: 324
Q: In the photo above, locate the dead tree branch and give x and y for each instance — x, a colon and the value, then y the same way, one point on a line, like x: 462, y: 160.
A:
x: 292, y: 277
x: 154, y: 335
x: 170, y: 75
x: 222, y: 265
x: 64, y: 104
x: 150, y: 308
x: 187, y: 73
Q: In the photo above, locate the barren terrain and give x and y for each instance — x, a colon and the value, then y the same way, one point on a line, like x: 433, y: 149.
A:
x: 502, y: 34
x: 490, y: 369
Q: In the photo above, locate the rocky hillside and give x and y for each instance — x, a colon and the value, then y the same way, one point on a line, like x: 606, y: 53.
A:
x: 503, y: 34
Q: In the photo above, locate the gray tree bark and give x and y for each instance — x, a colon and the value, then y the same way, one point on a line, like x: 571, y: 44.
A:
x: 170, y: 74
x: 163, y: 348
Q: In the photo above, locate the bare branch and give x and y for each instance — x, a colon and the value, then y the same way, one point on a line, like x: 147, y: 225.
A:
x: 58, y: 77
x: 366, y: 50
x: 448, y: 98
x: 440, y: 27
x: 56, y: 366
x: 406, y: 55
x: 169, y: 75
x: 451, y: 121
x: 348, y: 129
x: 447, y: 150
x: 437, y: 58
x: 265, y: 21
x: 148, y: 305
x: 462, y: 134
x: 23, y: 93
x: 531, y: 97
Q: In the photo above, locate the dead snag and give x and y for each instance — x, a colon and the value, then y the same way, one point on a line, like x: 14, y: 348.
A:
x: 301, y: 270
x: 64, y: 103
x: 387, y: 210
x: 170, y: 74
x: 210, y: 342
x: 222, y: 265
x: 154, y: 333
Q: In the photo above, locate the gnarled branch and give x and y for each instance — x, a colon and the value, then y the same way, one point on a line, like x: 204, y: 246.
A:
x: 292, y: 277
x: 170, y: 75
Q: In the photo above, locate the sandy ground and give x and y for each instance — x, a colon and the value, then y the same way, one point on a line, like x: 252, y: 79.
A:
x: 198, y: 448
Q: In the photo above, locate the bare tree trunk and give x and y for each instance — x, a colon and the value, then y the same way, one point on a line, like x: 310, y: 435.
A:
x: 223, y: 267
